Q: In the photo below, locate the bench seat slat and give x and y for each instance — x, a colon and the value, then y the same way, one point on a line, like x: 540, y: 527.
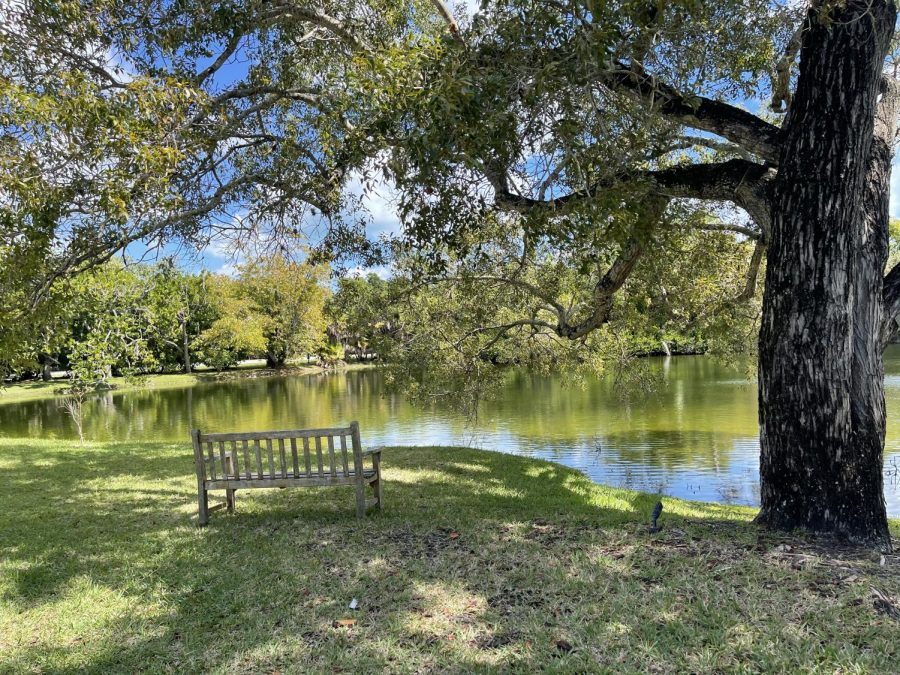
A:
x: 309, y: 481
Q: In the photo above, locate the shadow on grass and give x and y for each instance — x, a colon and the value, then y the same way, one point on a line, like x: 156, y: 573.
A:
x: 480, y: 561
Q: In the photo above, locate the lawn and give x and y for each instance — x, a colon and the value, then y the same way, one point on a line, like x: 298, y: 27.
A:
x: 480, y: 562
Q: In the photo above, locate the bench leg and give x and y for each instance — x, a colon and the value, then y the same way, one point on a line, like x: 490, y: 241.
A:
x: 229, y: 500
x: 376, y: 488
x: 360, y: 499
x: 376, y: 484
x: 203, y: 503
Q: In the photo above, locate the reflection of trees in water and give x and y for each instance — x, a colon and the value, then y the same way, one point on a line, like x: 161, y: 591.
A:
x: 530, y: 408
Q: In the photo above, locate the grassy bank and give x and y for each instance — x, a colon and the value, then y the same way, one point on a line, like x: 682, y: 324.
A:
x: 481, y: 561
x: 37, y: 389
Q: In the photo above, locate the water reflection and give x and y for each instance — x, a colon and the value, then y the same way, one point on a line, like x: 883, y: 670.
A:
x: 695, y: 437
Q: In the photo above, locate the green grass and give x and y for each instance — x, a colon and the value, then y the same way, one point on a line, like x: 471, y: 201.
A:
x: 480, y: 562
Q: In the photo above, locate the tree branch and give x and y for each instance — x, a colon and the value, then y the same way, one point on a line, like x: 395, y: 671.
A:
x: 226, y: 54
x: 604, y: 292
x: 288, y: 9
x: 752, y: 274
x: 738, y: 126
x: 748, y: 232
x: 736, y: 180
x: 781, y: 85
x: 447, y: 15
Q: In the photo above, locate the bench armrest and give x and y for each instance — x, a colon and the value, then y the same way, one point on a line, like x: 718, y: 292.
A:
x: 372, y: 451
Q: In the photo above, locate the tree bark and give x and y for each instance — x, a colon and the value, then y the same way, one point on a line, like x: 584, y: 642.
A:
x: 821, y: 399
x: 276, y: 357
x: 185, y: 345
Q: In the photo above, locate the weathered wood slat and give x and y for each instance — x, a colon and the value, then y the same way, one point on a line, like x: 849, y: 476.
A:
x: 229, y: 470
x: 259, y: 471
x: 235, y: 464
x: 263, y: 435
x: 212, y: 460
x: 283, y: 472
x: 282, y: 460
x: 318, y: 441
x: 222, y: 459
x: 358, y: 470
x: 376, y: 483
x: 344, y: 454
x: 272, y: 471
x: 306, y: 459
x: 247, y: 469
x: 202, y: 495
x: 331, y: 459
x: 310, y: 481
x: 294, y: 458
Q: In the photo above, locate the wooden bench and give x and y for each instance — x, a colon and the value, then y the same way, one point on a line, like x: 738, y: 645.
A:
x: 284, y: 459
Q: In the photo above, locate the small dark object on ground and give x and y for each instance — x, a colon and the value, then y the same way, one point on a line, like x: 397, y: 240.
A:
x: 563, y: 645
x: 657, y: 510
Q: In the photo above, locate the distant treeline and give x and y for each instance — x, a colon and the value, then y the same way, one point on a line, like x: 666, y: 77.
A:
x: 133, y: 319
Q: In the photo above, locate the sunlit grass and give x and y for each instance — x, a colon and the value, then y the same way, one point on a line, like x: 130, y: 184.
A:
x: 481, y: 561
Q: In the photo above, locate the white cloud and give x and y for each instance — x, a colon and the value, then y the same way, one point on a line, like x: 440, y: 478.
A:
x: 383, y: 271
x: 229, y: 269
x: 379, y: 202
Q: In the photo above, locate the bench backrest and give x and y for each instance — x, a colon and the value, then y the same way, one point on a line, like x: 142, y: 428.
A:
x: 279, y: 454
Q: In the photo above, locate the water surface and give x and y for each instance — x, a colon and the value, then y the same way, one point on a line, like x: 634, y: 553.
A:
x: 694, y: 437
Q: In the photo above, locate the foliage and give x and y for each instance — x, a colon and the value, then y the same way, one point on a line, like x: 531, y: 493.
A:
x: 551, y: 213
x: 132, y: 319
x: 363, y: 314
x: 357, y: 88
x: 291, y: 296
x: 444, y: 334
x: 146, y: 120
x: 238, y: 332
x: 111, y: 325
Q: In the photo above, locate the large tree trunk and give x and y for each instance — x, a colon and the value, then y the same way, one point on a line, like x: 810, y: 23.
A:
x: 820, y: 367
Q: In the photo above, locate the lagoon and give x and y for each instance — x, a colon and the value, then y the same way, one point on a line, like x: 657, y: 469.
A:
x: 694, y: 436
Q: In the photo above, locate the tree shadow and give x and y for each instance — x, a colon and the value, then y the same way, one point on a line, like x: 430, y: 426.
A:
x: 480, y: 561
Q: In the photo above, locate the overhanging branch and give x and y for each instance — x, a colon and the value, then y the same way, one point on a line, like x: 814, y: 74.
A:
x: 738, y: 126
x: 737, y: 180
